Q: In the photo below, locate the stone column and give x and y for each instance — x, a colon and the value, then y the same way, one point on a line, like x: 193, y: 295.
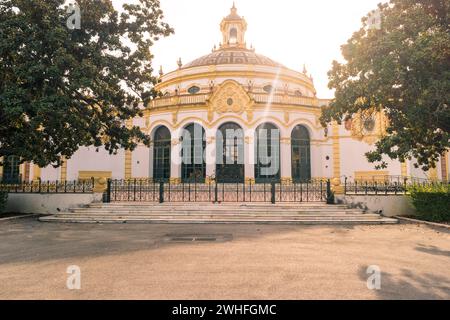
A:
x: 285, y: 160
x: 210, y: 157
x: 175, y: 162
x: 150, y: 162
x: 249, y: 159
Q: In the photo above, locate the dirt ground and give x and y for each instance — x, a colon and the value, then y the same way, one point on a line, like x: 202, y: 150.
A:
x: 250, y: 262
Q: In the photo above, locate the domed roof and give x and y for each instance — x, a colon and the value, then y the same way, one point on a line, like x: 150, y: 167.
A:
x: 233, y: 56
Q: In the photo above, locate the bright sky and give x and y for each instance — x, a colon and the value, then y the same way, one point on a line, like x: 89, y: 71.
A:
x: 292, y: 32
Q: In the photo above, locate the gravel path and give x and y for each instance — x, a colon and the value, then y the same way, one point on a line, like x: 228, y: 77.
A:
x: 249, y: 262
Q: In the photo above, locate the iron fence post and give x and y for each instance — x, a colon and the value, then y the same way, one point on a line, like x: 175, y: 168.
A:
x: 329, y: 194
x: 272, y: 191
x: 345, y: 185
x: 161, y: 192
x: 108, y: 192
x: 216, y: 191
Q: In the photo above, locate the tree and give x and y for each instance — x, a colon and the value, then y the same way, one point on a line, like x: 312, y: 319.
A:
x: 402, y: 69
x: 62, y: 88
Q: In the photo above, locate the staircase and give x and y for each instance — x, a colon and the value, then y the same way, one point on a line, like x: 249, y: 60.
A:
x: 224, y: 213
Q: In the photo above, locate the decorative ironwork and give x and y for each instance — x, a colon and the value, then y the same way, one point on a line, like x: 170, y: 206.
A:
x: 148, y: 190
x: 38, y: 186
x: 379, y: 185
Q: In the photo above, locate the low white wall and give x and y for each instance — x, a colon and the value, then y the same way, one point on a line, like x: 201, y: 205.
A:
x: 388, y: 205
x: 48, y: 203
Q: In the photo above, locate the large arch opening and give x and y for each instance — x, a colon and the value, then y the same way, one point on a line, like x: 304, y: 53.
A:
x: 267, y: 151
x: 230, y: 153
x: 301, y: 154
x: 193, y: 167
x: 161, y: 154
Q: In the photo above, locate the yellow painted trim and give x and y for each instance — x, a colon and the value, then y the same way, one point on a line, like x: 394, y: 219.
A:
x: 36, y: 172
x: 444, y: 166
x: 128, y: 164
x: 232, y: 117
x: 84, y: 175
x: 404, y: 169
x: 371, y: 175
x: 336, y: 151
x: 433, y: 175
x: 256, y: 107
x: 63, y: 176
x: 239, y: 74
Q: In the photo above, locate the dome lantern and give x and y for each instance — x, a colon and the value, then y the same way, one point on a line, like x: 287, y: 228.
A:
x: 233, y: 29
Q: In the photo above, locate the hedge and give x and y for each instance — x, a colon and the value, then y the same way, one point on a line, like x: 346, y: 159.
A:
x: 432, y: 202
x: 3, y: 198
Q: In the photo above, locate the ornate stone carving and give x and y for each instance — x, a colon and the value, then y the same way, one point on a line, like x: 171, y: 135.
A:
x: 174, y: 118
x: 286, y: 117
x: 285, y: 140
x: 368, y: 125
x: 230, y: 97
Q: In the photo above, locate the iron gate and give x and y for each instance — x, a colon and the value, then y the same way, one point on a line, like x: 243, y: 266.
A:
x: 146, y: 190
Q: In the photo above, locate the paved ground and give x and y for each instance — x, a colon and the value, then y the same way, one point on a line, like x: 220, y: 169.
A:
x: 260, y: 262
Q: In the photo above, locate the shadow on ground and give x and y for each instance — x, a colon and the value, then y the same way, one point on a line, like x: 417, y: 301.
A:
x: 411, y: 285
x: 28, y: 240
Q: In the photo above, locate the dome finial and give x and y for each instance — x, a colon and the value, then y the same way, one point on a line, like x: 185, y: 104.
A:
x: 304, y: 69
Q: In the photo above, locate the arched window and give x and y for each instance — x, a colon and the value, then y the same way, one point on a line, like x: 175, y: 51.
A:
x: 301, y: 154
x: 193, y: 168
x: 161, y: 154
x: 233, y: 36
x: 11, y: 170
x: 267, y: 167
x: 230, y: 153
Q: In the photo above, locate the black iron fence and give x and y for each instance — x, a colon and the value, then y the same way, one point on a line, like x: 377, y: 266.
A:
x: 385, y: 185
x: 146, y: 190
x: 38, y: 186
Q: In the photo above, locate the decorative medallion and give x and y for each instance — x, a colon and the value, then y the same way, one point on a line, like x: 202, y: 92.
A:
x: 230, y: 97
x: 368, y: 125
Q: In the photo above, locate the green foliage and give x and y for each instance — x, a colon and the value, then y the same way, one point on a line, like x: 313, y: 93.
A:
x: 61, y: 89
x: 432, y: 202
x: 3, y: 199
x: 404, y: 70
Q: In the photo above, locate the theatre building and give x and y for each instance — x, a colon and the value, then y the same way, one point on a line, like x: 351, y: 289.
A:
x: 272, y: 112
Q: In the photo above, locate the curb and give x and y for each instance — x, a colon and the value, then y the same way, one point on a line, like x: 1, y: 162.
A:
x: 21, y: 217
x: 431, y: 224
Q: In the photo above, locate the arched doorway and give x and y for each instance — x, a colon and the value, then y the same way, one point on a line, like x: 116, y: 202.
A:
x: 230, y: 153
x: 193, y: 167
x: 161, y: 154
x: 301, y: 154
x: 267, y: 166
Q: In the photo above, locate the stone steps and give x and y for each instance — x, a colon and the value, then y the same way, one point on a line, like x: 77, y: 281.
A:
x: 208, y: 213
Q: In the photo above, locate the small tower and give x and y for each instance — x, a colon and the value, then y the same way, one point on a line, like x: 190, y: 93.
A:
x: 233, y: 29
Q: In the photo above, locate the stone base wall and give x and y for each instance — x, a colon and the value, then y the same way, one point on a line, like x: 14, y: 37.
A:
x: 388, y: 205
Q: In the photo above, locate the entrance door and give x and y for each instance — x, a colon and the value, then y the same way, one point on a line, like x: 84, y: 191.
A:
x: 230, y: 153
x: 301, y: 154
x: 161, y: 154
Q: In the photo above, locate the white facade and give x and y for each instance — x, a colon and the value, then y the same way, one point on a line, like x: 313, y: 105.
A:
x: 233, y: 84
